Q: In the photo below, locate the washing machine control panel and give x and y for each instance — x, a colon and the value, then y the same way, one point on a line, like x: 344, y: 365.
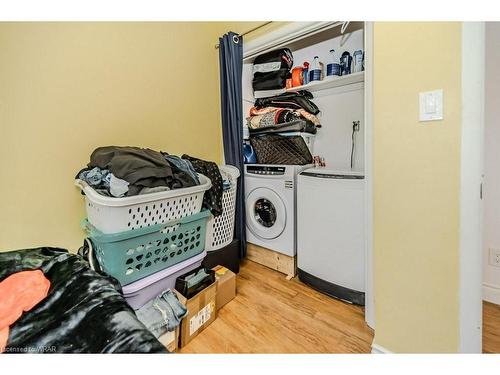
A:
x: 265, y: 170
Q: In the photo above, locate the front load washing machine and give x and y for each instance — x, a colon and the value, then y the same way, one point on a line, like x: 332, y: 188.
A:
x: 270, y: 206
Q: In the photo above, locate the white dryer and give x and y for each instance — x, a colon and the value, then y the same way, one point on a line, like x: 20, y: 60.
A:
x: 270, y: 206
x: 331, y: 234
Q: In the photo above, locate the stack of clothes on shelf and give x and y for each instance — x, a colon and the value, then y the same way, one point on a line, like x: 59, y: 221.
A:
x: 116, y: 171
x: 280, y: 122
x: 270, y: 72
x: 276, y: 110
x: 279, y: 127
x: 288, y: 112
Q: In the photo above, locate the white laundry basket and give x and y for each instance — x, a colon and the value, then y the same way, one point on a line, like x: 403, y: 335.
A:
x: 114, y: 215
x: 220, y: 229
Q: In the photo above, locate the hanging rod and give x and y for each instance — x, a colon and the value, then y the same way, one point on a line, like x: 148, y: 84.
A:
x: 251, y: 30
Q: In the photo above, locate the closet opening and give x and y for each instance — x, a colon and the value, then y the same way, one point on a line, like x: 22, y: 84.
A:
x: 329, y: 244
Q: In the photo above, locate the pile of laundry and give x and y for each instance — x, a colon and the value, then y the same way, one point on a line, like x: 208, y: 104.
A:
x: 281, y: 121
x: 116, y: 171
x: 288, y: 112
x: 276, y: 110
x: 126, y: 171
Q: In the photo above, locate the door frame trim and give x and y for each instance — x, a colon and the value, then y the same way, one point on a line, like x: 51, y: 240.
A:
x: 369, y: 292
x: 471, y: 172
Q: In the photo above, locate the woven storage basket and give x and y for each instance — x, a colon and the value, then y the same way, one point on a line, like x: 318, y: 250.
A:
x: 277, y: 149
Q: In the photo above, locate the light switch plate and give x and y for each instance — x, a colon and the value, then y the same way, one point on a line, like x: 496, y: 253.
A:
x: 494, y: 257
x: 431, y: 105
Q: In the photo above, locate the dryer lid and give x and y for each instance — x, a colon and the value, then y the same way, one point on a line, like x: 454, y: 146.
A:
x: 333, y: 173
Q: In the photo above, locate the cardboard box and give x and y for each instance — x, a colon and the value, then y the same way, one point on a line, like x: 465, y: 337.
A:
x: 226, y: 285
x: 202, y: 312
x: 170, y: 340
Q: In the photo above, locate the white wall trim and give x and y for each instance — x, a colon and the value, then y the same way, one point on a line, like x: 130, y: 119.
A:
x: 491, y: 197
x: 377, y: 349
x: 491, y: 293
x: 471, y: 170
x: 282, y: 36
x: 369, y: 295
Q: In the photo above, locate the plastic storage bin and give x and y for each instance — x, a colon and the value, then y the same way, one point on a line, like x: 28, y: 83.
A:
x: 134, y: 254
x: 220, y: 229
x: 115, y: 215
x: 144, y: 290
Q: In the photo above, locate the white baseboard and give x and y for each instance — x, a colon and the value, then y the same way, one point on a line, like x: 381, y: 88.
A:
x: 377, y: 349
x: 491, y: 293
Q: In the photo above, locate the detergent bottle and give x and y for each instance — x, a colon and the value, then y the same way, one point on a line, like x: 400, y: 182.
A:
x: 333, y: 67
x: 315, y: 70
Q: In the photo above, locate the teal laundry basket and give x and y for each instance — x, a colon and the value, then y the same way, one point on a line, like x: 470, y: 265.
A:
x: 134, y: 254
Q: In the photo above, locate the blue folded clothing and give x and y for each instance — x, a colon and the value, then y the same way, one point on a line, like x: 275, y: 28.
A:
x: 162, y: 314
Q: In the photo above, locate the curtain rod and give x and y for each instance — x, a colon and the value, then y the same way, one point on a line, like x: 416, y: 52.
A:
x: 251, y: 30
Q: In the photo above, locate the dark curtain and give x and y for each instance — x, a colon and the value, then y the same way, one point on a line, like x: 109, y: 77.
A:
x: 231, y: 65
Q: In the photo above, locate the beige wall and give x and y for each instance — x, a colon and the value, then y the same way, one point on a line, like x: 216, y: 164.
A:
x: 67, y: 88
x: 416, y: 187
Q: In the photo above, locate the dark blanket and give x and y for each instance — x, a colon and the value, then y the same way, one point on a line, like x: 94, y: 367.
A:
x: 82, y: 313
x: 140, y: 167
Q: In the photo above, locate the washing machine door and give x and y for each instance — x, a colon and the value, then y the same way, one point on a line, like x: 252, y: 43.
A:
x: 266, y: 213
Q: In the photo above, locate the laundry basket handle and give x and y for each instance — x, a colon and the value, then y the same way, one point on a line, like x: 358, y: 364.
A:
x: 85, y: 225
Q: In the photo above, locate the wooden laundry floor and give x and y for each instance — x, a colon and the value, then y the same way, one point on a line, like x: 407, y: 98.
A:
x: 491, y: 328
x: 273, y: 315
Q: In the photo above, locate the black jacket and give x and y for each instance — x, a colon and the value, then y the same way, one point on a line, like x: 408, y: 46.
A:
x: 294, y: 100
